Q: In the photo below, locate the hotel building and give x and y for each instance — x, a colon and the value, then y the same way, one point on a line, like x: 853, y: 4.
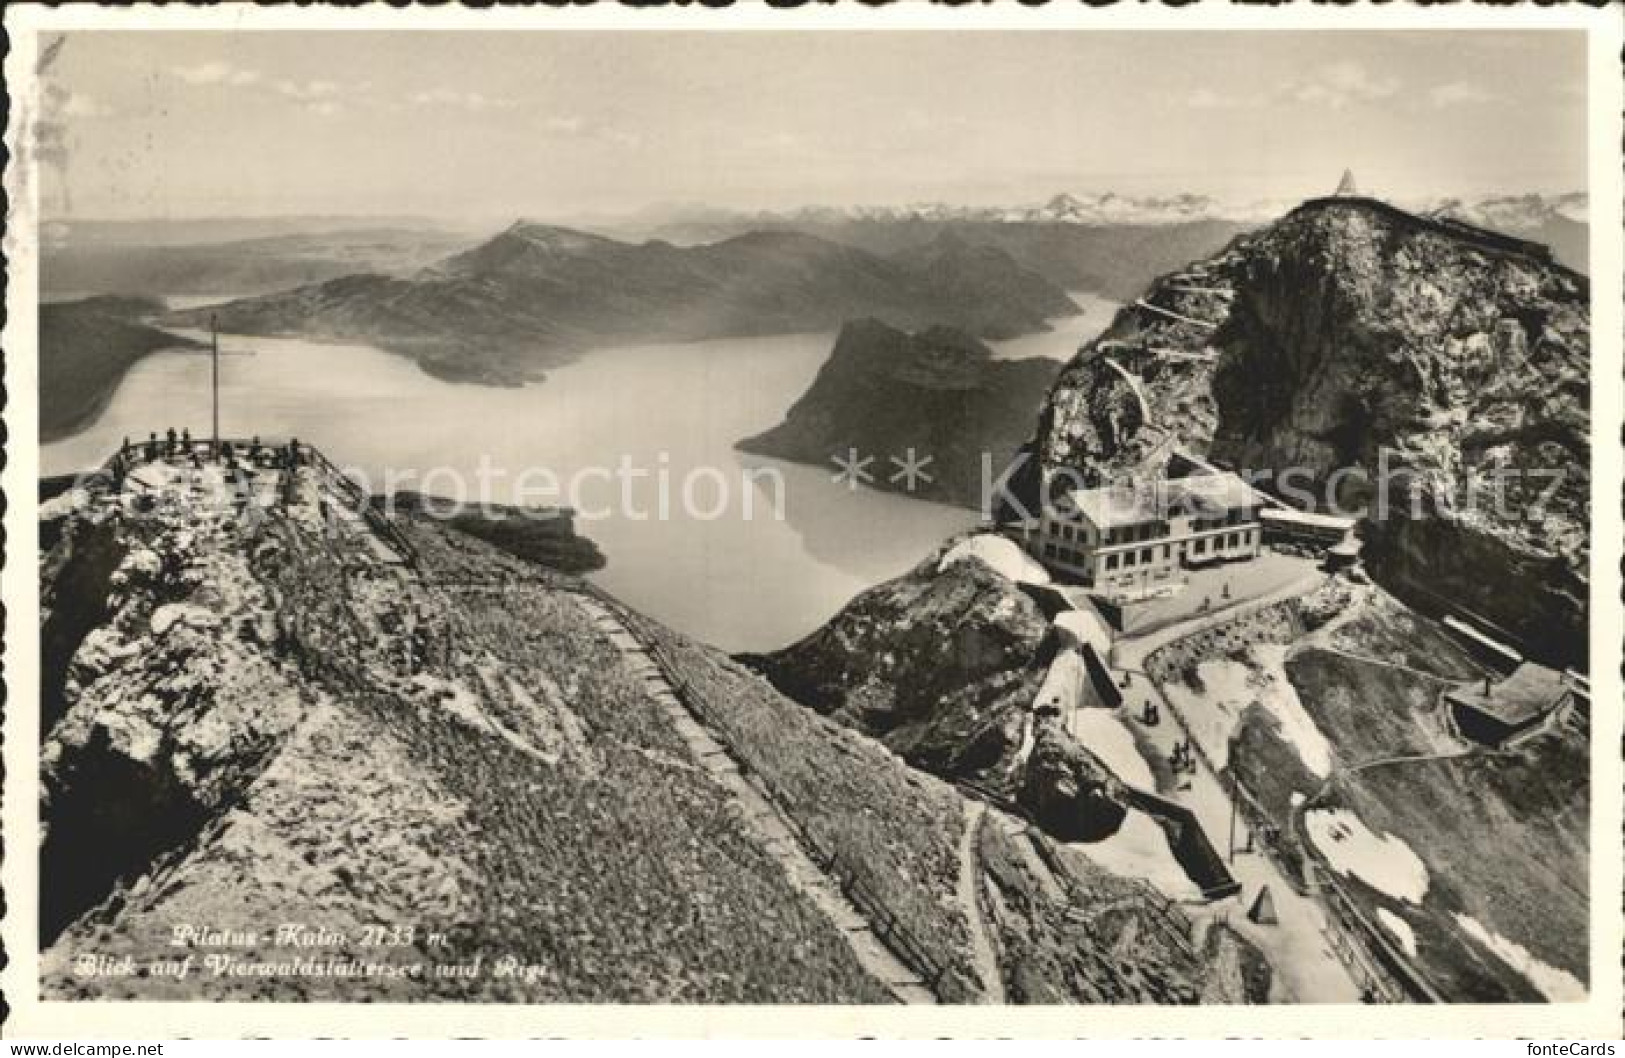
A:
x: 1132, y: 541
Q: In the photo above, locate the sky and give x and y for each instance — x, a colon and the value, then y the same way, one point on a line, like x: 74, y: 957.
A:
x: 549, y: 125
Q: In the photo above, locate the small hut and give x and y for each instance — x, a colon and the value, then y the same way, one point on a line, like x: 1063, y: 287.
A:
x: 1496, y: 713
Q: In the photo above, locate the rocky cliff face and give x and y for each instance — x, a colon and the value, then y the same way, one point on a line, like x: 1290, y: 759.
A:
x: 942, y: 665
x: 938, y: 393
x: 1350, y: 335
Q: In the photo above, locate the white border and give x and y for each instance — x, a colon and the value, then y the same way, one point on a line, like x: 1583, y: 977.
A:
x: 1599, y: 1017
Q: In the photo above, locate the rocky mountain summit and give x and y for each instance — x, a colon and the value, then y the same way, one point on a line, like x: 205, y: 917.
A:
x: 1426, y: 360
x: 535, y: 296
x: 938, y: 393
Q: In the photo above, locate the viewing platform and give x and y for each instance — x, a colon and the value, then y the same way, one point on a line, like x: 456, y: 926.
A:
x: 238, y: 476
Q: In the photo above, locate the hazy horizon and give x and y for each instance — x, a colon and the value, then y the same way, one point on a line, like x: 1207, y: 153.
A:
x: 468, y: 128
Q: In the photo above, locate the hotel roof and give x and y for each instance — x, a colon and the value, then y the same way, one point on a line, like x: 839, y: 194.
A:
x: 1292, y: 516
x: 1155, y: 501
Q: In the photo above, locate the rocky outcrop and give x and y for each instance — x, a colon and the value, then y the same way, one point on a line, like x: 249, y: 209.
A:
x: 940, y: 666
x: 943, y: 666
x: 1070, y: 793
x: 162, y: 699
x: 1376, y: 356
x: 938, y: 394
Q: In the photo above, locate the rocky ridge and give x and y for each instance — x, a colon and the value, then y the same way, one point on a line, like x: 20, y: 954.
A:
x: 535, y: 296
x: 1352, y: 335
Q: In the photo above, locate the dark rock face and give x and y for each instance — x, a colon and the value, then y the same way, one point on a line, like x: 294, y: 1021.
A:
x: 537, y: 296
x: 75, y: 583
x: 942, y: 666
x: 939, y: 393
x: 1352, y: 335
x: 938, y: 666
x: 1070, y: 793
x: 158, y: 707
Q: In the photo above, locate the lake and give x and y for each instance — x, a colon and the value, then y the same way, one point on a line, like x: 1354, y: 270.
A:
x: 760, y: 555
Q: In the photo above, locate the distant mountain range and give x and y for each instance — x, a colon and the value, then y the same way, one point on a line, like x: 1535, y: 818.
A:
x: 536, y: 296
x: 1560, y: 221
x: 1110, y: 243
x: 1111, y: 208
x: 231, y: 258
x: 1105, y: 243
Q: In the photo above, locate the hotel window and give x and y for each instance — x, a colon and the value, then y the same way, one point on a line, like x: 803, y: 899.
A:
x: 1146, y: 554
x: 1111, y: 561
x: 1167, y: 550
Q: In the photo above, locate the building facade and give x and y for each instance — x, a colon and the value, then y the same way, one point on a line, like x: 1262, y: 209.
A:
x: 1131, y: 541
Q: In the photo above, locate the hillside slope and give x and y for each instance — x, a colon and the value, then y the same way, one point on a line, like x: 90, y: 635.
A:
x: 536, y: 296
x: 85, y: 347
x: 1115, y: 259
x: 1352, y: 335
x: 938, y: 393
x: 452, y: 762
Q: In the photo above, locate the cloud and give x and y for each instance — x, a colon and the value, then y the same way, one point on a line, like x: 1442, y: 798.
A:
x: 1460, y: 93
x: 76, y: 105
x: 1207, y: 99
x: 324, y: 108
x: 212, y: 73
x: 473, y: 101
x: 308, y: 91
x: 1342, y: 84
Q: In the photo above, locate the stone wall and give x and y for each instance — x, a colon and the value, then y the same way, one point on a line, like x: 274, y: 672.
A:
x: 1278, y: 622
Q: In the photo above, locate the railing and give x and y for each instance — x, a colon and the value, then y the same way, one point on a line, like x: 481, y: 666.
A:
x: 376, y: 520
x: 1192, y: 847
x: 883, y: 922
x: 132, y: 453
x: 1163, y: 912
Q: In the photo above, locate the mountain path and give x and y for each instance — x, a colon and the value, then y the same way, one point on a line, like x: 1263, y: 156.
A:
x: 775, y: 831
x: 983, y: 953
